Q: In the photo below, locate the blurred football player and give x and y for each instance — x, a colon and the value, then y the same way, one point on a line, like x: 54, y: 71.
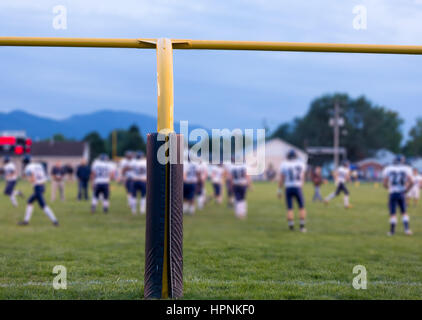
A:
x: 240, y: 181
x: 217, y: 174
x: 414, y: 192
x: 58, y: 173
x: 200, y: 186
x: 191, y: 176
x: 292, y: 177
x: 341, y: 177
x: 37, y: 176
x: 139, y: 176
x: 397, y: 178
x: 11, y: 176
x: 227, y: 178
x: 126, y: 174
x: 101, y: 175
x: 317, y: 180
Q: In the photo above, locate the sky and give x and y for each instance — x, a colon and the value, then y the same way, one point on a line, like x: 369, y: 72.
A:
x: 216, y: 89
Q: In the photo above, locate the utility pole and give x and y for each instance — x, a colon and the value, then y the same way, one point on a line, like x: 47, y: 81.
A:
x: 336, y: 133
x: 336, y: 122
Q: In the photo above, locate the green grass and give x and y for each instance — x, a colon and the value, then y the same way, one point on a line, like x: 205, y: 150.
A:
x: 224, y: 258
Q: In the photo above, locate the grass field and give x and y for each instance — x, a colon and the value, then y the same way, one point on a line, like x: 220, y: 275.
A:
x: 223, y: 257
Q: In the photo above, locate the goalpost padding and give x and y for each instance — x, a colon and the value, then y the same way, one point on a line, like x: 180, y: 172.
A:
x: 164, y: 221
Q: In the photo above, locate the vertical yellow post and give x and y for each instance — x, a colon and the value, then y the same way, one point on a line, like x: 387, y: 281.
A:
x: 114, y: 144
x: 165, y: 85
x: 165, y: 125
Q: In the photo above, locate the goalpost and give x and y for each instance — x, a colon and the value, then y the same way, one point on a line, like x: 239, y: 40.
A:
x: 164, y: 221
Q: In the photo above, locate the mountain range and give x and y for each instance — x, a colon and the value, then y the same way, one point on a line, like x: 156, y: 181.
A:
x: 77, y: 126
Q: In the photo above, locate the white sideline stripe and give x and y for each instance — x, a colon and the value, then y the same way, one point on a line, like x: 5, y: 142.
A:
x: 213, y: 282
x: 69, y: 283
x: 301, y: 283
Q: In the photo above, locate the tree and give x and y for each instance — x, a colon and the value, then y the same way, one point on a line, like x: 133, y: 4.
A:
x: 135, y: 140
x: 413, y: 146
x: 366, y: 129
x: 96, y: 144
x: 284, y: 132
x: 58, y: 137
x: 127, y: 140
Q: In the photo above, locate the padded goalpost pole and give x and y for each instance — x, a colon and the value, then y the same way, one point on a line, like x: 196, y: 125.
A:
x: 164, y: 220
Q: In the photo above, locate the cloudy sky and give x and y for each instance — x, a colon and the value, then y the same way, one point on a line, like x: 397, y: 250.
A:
x: 214, y: 88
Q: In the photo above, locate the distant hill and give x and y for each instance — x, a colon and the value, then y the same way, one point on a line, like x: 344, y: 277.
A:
x: 77, y: 126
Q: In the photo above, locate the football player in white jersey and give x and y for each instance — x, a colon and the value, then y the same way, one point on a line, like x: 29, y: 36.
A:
x: 292, y: 177
x: 217, y: 175
x: 191, y: 177
x: 11, y: 176
x: 397, y: 179
x: 36, y: 175
x: 126, y: 174
x: 200, y: 186
x: 139, y: 176
x: 240, y: 181
x: 341, y: 177
x: 414, y: 192
x: 101, y: 175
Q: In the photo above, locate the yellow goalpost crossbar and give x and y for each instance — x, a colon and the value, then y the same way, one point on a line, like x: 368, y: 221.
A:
x: 211, y: 45
x: 164, y: 279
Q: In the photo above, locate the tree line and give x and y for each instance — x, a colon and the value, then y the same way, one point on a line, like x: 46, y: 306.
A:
x: 130, y: 139
x: 367, y: 128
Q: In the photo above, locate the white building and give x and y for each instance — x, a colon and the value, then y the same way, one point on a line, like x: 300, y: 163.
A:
x: 275, y: 151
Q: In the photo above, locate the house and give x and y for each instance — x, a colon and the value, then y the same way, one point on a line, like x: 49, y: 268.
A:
x: 385, y: 157
x: 69, y: 153
x: 371, y: 168
x: 275, y: 151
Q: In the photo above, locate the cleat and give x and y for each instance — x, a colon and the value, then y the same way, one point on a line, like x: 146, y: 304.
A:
x: 291, y: 228
x: 93, y: 210
x: 22, y: 223
x: 348, y: 207
x: 408, y: 232
x: 303, y: 230
x: 105, y: 210
x: 390, y: 234
x: 56, y: 223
